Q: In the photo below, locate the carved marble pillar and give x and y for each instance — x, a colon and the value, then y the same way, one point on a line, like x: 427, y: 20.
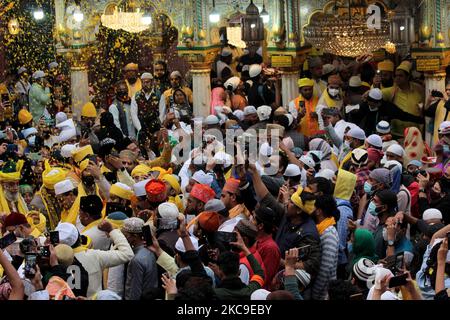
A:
x: 78, y: 58
x: 289, y: 86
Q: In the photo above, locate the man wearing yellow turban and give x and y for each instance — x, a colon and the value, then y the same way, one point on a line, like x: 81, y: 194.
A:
x: 173, y: 190
x: 140, y: 172
x: 297, y: 228
x: 10, y: 198
x: 408, y: 96
x: 85, y: 128
x: 303, y: 108
x: 45, y: 199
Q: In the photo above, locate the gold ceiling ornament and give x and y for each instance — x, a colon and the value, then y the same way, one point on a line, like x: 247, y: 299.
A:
x: 390, y: 47
x: 344, y: 30
x: 13, y: 27
x: 128, y: 17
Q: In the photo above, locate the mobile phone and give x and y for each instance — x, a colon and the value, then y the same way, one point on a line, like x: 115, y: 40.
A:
x: 30, y: 265
x: 226, y: 237
x: 398, y: 281
x: 45, y: 252
x: 84, y: 240
x: 147, y: 235
x: 54, y: 237
x: 303, y: 252
x: 448, y: 238
x: 7, y: 240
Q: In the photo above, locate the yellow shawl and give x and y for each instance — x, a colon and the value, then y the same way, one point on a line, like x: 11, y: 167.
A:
x: 72, y: 215
x: 321, y: 227
x: 4, y: 206
x: 92, y: 225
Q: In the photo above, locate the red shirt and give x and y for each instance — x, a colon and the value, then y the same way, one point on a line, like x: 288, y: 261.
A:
x: 270, y: 254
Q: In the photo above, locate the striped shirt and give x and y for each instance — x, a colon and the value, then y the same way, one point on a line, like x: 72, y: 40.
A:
x: 329, y: 242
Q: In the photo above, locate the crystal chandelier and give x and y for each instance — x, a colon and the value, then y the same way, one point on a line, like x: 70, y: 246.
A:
x: 345, y: 32
x: 133, y: 21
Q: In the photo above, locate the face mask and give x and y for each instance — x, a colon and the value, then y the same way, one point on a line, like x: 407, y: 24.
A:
x: 32, y: 141
x: 373, y: 209
x: 367, y: 188
x: 347, y: 144
x: 333, y: 92
x: 89, y: 181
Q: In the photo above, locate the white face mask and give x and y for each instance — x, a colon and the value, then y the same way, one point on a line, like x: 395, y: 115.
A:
x: 333, y: 92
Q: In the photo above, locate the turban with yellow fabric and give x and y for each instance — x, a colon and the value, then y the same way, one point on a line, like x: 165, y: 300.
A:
x: 84, y: 164
x: 305, y: 82
x: 121, y: 190
x: 89, y: 111
x: 386, y: 65
x: 162, y: 171
x: 11, y: 171
x: 405, y: 66
x: 81, y: 153
x: 140, y: 170
x: 307, y: 206
x: 172, y: 180
x: 52, y: 176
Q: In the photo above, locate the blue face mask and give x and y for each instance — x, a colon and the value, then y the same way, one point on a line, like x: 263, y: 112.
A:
x: 368, y: 188
x: 373, y: 209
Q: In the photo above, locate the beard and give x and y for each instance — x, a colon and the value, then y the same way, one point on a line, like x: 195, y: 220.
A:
x: 11, y: 196
x: 132, y: 80
x: 387, y: 83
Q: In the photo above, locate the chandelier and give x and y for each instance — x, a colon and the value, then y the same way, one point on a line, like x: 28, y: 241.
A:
x: 345, y: 32
x: 131, y: 20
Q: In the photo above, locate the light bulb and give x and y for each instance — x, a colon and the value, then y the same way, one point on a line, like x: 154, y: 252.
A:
x: 265, y: 15
x: 214, y: 16
x: 78, y: 16
x: 38, y: 14
x: 402, y: 28
x: 253, y: 26
x: 146, y: 20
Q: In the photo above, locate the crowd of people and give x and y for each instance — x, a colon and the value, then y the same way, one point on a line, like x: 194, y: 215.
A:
x: 336, y: 196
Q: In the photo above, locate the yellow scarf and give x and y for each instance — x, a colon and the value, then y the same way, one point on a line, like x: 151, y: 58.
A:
x: 79, y: 249
x: 321, y: 227
x: 71, y: 215
x: 178, y: 202
x: 50, y: 205
x: 237, y: 210
x: 331, y: 103
x: 92, y: 225
x: 4, y: 206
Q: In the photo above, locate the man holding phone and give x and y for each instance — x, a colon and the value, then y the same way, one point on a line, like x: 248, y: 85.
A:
x: 303, y: 108
x: 142, y: 272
